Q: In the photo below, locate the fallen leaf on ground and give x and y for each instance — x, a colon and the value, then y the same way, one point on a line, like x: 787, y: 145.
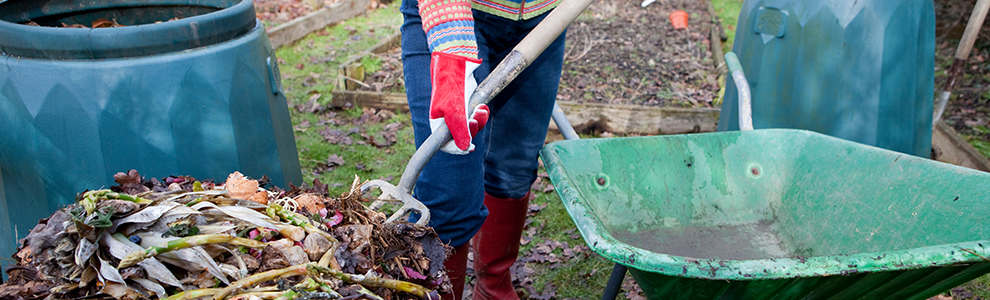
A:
x: 633, y: 291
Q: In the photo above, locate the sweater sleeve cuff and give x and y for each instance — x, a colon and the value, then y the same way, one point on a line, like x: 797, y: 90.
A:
x: 449, y: 26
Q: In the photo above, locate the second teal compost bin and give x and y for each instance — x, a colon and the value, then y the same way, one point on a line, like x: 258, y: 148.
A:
x: 185, y: 87
x: 860, y: 70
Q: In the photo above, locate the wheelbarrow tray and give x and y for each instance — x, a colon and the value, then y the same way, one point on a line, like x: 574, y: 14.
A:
x: 774, y: 214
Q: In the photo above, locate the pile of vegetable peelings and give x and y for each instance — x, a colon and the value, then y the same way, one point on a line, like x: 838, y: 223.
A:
x: 181, y: 238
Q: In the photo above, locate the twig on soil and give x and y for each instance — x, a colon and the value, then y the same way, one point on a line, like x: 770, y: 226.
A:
x: 588, y: 45
x: 401, y: 268
x: 355, y: 80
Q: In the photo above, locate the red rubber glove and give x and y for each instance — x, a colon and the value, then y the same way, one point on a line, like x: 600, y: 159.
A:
x: 453, y: 83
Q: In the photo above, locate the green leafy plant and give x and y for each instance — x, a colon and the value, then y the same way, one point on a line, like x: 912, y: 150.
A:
x: 371, y: 64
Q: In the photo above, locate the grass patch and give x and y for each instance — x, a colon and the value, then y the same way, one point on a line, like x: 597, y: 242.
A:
x: 982, y: 146
x: 309, y: 72
x: 979, y: 142
x: 728, y: 12
x: 364, y: 160
x: 980, y: 287
x: 310, y: 65
x: 371, y: 64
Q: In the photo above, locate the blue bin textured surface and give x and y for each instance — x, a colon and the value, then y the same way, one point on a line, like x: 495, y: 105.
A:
x: 198, y: 96
x: 860, y: 70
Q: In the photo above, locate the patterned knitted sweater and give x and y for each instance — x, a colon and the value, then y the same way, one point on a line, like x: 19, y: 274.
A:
x: 449, y: 24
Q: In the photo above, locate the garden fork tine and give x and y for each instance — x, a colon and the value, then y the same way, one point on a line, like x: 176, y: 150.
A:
x: 391, y: 192
x: 521, y: 56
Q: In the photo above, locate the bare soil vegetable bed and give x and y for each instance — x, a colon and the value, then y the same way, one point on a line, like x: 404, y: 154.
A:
x: 617, y: 53
x: 622, y: 53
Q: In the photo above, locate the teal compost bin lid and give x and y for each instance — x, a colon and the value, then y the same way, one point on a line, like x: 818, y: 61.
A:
x: 200, y: 23
x: 185, y: 87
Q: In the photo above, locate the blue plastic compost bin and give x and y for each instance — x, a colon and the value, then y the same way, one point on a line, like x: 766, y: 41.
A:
x: 860, y: 70
x: 185, y: 87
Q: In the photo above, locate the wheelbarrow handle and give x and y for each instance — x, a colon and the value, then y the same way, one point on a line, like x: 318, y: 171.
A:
x: 511, y: 66
x: 742, y: 85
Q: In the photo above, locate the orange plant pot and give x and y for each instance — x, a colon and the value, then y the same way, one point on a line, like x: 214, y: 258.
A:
x: 679, y: 19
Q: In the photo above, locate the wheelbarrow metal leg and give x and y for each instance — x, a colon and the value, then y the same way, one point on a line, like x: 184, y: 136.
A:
x: 614, y: 282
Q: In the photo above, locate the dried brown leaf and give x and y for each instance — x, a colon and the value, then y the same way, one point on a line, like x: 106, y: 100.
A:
x: 130, y: 182
x: 335, y: 159
x: 633, y: 291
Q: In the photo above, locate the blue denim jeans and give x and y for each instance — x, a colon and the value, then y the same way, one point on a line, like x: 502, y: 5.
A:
x: 504, y: 161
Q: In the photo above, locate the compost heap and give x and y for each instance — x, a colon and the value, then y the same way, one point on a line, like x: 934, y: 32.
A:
x: 185, y: 239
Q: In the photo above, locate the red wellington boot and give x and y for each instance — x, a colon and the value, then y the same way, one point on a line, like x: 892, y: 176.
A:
x: 496, y: 246
x: 456, y: 266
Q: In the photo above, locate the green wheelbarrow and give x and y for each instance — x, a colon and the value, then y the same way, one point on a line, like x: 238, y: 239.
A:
x: 774, y: 214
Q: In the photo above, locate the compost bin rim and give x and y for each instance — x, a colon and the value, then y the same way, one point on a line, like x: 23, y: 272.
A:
x: 757, y: 269
x: 225, y: 24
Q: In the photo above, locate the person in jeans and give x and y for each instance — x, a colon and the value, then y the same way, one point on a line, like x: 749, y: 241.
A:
x: 477, y: 189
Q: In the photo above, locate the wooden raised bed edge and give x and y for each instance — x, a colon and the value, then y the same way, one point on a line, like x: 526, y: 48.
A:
x: 949, y: 147
x: 351, y: 71
x: 716, y: 41
x: 391, y: 101
x: 613, y: 118
x: 638, y: 119
x: 296, y: 29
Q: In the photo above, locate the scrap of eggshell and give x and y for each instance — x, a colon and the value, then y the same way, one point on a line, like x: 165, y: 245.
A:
x: 240, y: 187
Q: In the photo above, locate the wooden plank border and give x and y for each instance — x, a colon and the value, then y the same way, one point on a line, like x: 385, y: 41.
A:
x: 638, y: 119
x: 949, y: 147
x: 296, y: 29
x: 716, y: 40
x: 391, y: 101
x: 621, y: 119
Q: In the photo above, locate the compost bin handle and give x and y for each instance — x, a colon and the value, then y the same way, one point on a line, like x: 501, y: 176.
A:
x: 745, y: 103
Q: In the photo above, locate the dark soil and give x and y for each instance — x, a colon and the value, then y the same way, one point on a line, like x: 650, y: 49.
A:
x: 387, y: 73
x: 274, y: 12
x: 621, y: 53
